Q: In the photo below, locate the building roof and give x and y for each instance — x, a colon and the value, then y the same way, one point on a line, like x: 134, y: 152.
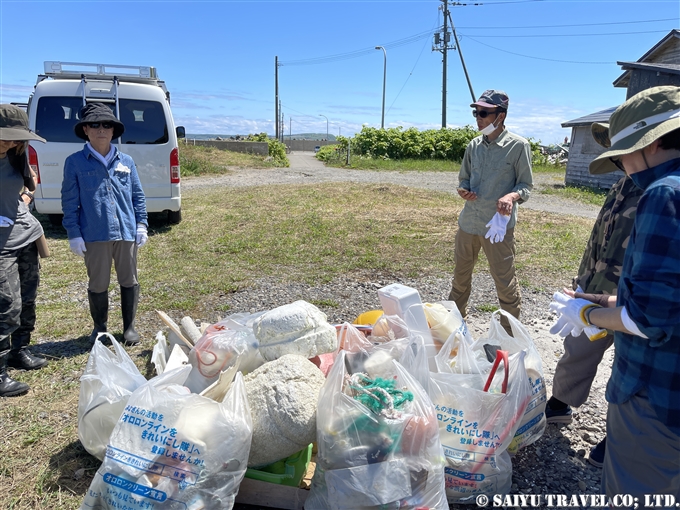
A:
x: 654, y: 66
x: 601, y: 116
x: 622, y: 81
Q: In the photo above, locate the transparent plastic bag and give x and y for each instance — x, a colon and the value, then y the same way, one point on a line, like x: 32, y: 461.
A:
x: 369, y: 459
x: 444, y: 320
x: 478, y: 417
x: 105, y: 386
x: 229, y: 342
x: 533, y: 423
x: 172, y: 449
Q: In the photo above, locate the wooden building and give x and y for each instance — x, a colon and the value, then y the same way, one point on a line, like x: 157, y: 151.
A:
x: 659, y: 66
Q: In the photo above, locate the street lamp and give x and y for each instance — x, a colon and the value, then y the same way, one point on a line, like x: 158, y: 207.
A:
x: 326, y: 124
x: 382, y: 122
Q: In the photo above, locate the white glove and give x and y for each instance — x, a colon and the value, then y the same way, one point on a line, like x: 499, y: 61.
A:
x: 497, y: 226
x: 571, y: 317
x: 142, y: 235
x: 77, y: 246
x: 5, y: 221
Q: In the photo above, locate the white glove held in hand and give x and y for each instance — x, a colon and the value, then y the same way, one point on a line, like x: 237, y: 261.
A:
x: 5, y: 221
x: 77, y: 246
x: 571, y: 318
x: 497, y: 226
x: 142, y: 236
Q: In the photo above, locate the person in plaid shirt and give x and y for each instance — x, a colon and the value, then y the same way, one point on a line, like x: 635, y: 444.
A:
x: 643, y: 419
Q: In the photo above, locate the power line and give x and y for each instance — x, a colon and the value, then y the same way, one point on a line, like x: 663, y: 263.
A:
x: 356, y: 53
x: 536, y: 58
x: 414, y: 67
x: 578, y: 24
x: 421, y: 35
x: 572, y: 35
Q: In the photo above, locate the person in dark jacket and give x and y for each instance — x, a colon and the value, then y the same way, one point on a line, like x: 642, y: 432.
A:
x: 105, y: 216
x: 19, y: 265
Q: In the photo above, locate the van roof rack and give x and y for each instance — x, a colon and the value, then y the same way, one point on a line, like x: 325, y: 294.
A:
x: 79, y: 70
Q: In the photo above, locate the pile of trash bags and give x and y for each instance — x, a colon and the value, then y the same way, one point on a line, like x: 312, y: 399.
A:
x: 406, y: 409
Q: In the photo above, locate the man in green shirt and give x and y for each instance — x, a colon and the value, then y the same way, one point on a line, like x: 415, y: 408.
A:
x: 495, y: 176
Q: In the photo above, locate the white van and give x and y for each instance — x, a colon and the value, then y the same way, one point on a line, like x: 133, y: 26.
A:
x: 141, y: 102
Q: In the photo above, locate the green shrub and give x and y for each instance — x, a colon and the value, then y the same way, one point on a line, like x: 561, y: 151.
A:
x: 397, y: 143
x: 277, y: 150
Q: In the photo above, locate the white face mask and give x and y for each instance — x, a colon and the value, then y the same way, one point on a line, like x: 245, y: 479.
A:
x: 489, y: 129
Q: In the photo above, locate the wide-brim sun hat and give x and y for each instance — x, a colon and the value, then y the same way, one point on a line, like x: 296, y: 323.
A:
x: 97, y: 112
x: 14, y: 125
x: 642, y: 119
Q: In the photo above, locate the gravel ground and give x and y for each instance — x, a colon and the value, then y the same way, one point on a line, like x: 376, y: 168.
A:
x: 556, y: 463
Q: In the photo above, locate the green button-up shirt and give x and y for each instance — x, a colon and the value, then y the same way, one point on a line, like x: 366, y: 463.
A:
x: 492, y: 170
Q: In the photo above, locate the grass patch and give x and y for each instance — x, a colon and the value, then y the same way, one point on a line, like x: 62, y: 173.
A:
x: 404, y: 165
x: 591, y: 196
x: 228, y: 238
x: 487, y: 307
x: 328, y: 303
x: 199, y: 160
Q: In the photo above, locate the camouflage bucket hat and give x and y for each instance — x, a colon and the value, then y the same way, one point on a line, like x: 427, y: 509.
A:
x: 638, y: 122
x: 493, y: 99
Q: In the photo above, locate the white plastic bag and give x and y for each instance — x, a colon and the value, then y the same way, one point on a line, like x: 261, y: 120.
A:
x: 172, y: 449
x: 105, y: 386
x: 533, y: 423
x: 372, y: 459
x: 478, y: 415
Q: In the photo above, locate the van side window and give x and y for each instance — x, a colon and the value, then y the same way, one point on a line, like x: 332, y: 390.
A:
x: 56, y: 118
x: 144, y: 122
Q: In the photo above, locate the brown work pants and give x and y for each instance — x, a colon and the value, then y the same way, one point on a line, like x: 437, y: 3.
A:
x: 501, y: 257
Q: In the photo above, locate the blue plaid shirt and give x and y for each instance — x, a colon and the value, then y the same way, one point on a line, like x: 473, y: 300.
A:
x: 649, y: 288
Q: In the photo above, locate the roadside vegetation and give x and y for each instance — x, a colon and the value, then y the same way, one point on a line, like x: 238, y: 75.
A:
x: 199, y: 160
x: 440, y: 150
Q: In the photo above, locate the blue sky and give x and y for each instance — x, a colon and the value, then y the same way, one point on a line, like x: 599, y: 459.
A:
x: 217, y: 57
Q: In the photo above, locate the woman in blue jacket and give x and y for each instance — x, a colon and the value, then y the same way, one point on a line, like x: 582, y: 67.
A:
x: 105, y: 216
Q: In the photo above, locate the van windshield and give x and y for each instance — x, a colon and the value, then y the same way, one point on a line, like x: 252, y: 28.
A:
x: 144, y: 121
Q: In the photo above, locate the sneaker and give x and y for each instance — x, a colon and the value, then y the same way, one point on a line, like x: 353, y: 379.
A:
x: 558, y: 415
x: 596, y: 457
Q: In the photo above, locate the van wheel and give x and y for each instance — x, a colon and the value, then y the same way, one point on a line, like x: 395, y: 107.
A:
x: 55, y: 219
x: 174, y: 217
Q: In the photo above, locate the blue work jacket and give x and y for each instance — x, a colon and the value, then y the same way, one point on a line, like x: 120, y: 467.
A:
x: 100, y: 203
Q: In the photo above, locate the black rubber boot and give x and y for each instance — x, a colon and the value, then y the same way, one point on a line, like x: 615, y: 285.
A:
x: 129, y: 297
x: 8, y: 386
x: 20, y: 356
x: 99, y: 309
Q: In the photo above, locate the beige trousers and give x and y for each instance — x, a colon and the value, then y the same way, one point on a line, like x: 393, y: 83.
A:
x: 98, y: 259
x: 501, y: 257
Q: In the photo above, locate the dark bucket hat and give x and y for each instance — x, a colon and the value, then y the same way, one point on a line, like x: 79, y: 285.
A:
x: 638, y: 122
x: 14, y: 125
x: 98, y: 112
x: 493, y: 99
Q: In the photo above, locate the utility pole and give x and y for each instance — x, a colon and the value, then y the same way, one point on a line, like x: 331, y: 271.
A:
x: 445, y: 48
x: 462, y: 61
x: 276, y: 94
x: 280, y: 124
x: 290, y: 128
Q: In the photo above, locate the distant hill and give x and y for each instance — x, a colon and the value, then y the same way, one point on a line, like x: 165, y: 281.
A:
x: 311, y: 136
x: 296, y: 136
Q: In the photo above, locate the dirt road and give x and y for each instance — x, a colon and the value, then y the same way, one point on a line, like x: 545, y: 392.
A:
x: 306, y: 169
